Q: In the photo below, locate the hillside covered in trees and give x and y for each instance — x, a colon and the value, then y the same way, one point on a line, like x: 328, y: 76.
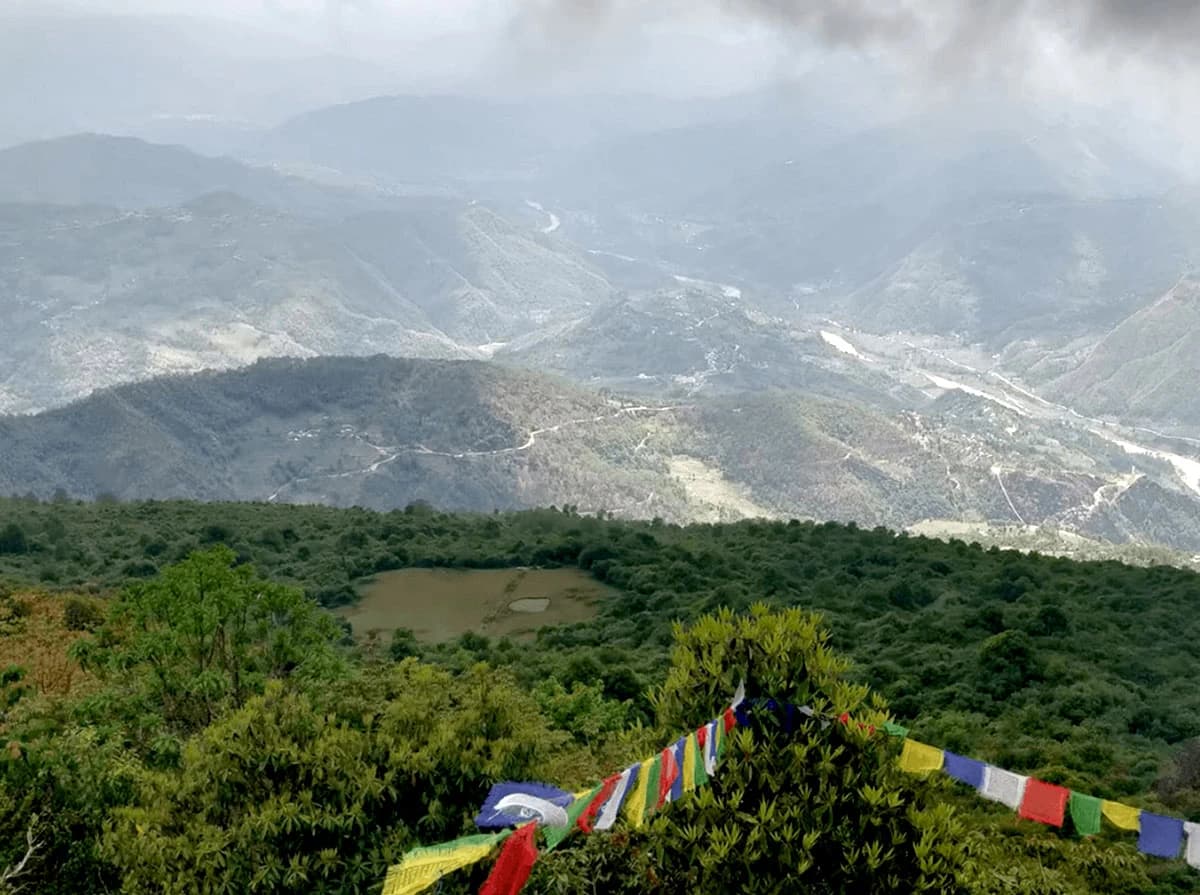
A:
x: 181, y: 713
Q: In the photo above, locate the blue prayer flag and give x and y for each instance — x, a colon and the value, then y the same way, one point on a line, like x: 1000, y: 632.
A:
x: 509, y: 804
x: 1160, y: 836
x: 964, y: 770
x: 677, y: 786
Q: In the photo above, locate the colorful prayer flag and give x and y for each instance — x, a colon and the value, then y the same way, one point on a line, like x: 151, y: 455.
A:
x: 1003, y: 786
x: 730, y: 720
x: 587, y: 818
x: 1121, y: 815
x: 423, y: 867
x: 635, y: 804
x: 1192, y: 855
x: 1085, y: 814
x: 700, y: 771
x: 511, y: 804
x: 668, y: 773
x: 719, y: 741
x: 964, y: 770
x: 654, y: 784
x: 1160, y: 836
x: 612, y: 807
x: 704, y: 741
x: 689, y: 762
x: 1044, y: 802
x: 515, y: 863
x: 917, y: 758
x: 678, y: 750
x: 555, y: 835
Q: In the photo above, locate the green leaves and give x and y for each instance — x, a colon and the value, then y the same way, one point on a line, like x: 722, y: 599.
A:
x: 205, y: 635
x: 819, y: 809
x: 321, y: 792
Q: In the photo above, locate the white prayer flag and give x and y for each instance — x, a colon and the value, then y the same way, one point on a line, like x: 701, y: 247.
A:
x: 1192, y: 855
x: 710, y: 747
x: 1003, y: 786
x: 608, y: 814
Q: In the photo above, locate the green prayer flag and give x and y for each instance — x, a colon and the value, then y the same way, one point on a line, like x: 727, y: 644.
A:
x: 894, y: 730
x: 555, y: 835
x: 1085, y: 814
x: 700, y: 775
x: 652, y: 784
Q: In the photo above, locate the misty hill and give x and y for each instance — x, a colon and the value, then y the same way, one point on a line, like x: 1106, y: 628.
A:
x: 1148, y: 366
x: 125, y: 172
x: 697, y: 337
x: 1037, y: 266
x: 379, y: 432
x: 475, y: 140
x: 94, y: 296
x: 165, y: 76
x: 383, y: 432
x: 987, y: 221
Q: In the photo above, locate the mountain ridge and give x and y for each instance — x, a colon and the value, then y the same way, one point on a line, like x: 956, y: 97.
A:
x: 384, y: 432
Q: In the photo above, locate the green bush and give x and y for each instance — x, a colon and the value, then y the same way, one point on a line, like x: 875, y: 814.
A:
x: 82, y: 615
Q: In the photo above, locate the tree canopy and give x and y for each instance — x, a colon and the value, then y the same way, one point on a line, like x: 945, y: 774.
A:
x: 205, y: 654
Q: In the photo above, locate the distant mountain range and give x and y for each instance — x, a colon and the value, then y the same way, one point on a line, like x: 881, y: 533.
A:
x: 907, y: 325
x: 131, y: 174
x: 97, y: 295
x: 383, y: 432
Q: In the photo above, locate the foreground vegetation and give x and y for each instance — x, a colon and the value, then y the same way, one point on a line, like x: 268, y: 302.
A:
x: 330, y: 758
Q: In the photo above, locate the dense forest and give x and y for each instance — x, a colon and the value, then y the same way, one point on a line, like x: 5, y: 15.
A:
x: 182, y: 715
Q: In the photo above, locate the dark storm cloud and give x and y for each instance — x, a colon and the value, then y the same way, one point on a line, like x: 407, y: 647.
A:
x: 949, y: 31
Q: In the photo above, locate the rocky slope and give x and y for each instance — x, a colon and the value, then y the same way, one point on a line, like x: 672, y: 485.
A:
x: 1148, y: 366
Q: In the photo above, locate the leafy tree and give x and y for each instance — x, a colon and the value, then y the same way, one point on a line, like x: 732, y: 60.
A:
x: 64, y: 785
x: 1008, y: 662
x: 822, y: 808
x: 205, y: 635
x: 584, y: 710
x: 404, y: 644
x: 294, y: 792
x: 12, y: 539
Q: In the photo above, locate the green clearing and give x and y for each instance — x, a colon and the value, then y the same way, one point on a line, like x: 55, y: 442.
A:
x: 441, y: 604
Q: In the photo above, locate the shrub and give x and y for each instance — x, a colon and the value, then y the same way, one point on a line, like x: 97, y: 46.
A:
x: 82, y: 615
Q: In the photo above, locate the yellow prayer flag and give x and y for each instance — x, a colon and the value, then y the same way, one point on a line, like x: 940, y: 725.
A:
x: 690, y: 749
x: 917, y: 758
x: 635, y: 804
x: 1122, y: 816
x: 423, y: 867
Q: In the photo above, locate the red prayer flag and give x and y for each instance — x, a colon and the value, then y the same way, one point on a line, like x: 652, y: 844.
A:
x: 730, y: 720
x: 587, y: 820
x: 1044, y: 802
x: 666, y: 778
x: 515, y: 863
x: 702, y: 738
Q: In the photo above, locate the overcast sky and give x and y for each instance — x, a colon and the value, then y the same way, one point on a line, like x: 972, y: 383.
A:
x: 1088, y: 48
x: 1100, y: 52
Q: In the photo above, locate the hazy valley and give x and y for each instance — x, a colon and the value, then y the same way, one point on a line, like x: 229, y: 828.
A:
x: 990, y: 335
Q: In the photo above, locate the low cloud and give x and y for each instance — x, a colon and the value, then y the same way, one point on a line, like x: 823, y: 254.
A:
x: 966, y: 34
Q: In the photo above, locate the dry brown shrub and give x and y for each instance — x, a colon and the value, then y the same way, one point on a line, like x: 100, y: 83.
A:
x: 41, y: 645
